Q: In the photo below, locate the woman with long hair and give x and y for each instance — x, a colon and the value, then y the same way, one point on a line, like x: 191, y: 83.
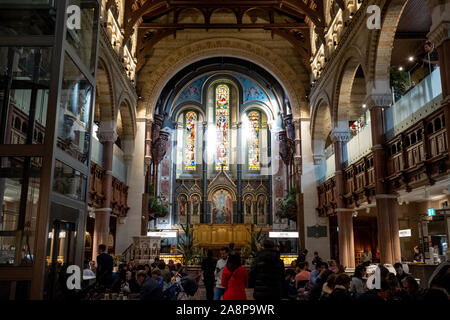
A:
x: 234, y: 279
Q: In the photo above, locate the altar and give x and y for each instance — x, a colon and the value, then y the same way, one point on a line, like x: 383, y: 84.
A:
x: 215, y: 236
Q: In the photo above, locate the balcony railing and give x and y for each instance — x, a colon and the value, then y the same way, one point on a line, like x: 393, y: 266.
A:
x: 416, y: 104
x: 361, y: 144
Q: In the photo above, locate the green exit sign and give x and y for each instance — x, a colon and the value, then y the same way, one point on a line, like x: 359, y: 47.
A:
x: 431, y: 212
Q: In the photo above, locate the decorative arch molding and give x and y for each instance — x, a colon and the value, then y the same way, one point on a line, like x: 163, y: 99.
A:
x: 260, y: 106
x: 381, y: 45
x: 107, y: 112
x: 319, y: 127
x: 223, y: 47
x: 126, y: 107
x: 217, y: 188
x: 187, y: 106
x: 344, y: 80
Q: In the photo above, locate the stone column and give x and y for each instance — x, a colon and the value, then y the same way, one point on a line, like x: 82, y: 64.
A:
x: 107, y: 136
x: 239, y: 161
x: 387, y: 211
x: 440, y: 36
x: 205, y: 173
x: 344, y: 215
x: 298, y: 184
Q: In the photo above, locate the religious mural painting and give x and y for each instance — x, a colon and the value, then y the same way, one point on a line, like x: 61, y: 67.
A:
x: 182, y: 208
x: 222, y: 207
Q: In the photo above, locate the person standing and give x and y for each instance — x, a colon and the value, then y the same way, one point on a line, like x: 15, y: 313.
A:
x: 366, y: 257
x: 105, y: 265
x: 316, y: 260
x: 208, y: 268
x: 221, y: 264
x: 267, y: 274
x: 234, y: 279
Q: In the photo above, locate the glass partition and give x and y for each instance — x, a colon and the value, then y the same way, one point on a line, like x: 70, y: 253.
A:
x: 24, y: 85
x: 74, y: 112
x: 19, y: 200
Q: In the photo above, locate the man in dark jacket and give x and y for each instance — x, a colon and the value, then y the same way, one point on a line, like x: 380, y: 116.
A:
x: 208, y: 267
x: 267, y: 274
x: 105, y: 265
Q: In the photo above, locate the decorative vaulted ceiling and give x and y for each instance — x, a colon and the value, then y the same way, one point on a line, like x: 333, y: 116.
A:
x: 289, y: 19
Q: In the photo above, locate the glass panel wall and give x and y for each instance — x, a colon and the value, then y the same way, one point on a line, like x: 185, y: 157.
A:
x: 24, y: 91
x: 69, y: 182
x: 74, y: 112
x: 19, y: 200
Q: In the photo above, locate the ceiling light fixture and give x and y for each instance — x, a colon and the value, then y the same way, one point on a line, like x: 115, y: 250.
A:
x: 364, y: 106
x: 400, y: 68
x: 411, y: 58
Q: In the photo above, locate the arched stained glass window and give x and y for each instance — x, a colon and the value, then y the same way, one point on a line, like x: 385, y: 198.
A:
x: 253, y: 141
x: 223, y: 127
x: 189, y: 140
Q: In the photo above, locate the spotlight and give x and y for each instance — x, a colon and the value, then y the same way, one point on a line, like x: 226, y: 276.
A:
x: 411, y: 58
x: 355, y: 214
x: 364, y: 106
x: 400, y: 68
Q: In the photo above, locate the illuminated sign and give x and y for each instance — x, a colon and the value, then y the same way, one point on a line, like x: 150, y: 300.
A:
x: 273, y: 234
x: 404, y: 233
x: 162, y: 234
x: 431, y: 212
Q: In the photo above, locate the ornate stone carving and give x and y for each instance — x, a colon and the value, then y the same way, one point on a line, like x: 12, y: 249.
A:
x: 160, y: 146
x: 290, y: 127
x: 287, y: 147
x: 340, y: 136
x: 440, y: 33
x: 381, y: 100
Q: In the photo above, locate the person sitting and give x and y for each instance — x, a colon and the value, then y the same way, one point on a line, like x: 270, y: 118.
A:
x: 320, y: 266
x: 328, y: 287
x: 303, y: 276
x: 156, y: 274
x: 135, y: 283
x: 165, y: 273
x: 316, y: 290
x: 411, y: 287
x: 357, y: 284
x: 290, y: 289
x: 341, y: 289
x: 401, y: 274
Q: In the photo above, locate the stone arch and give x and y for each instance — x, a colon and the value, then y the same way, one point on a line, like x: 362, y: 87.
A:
x: 382, y: 43
x: 128, y: 118
x: 341, y: 101
x: 321, y: 126
x: 213, y: 190
x: 219, y: 47
x: 105, y: 100
x: 190, y: 15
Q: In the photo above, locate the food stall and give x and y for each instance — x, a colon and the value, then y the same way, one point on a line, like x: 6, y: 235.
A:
x: 287, y: 241
x: 434, y: 231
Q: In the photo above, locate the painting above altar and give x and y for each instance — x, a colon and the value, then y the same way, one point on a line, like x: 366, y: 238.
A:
x: 222, y: 207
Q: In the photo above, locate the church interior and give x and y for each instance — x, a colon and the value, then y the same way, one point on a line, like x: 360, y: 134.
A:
x: 168, y: 128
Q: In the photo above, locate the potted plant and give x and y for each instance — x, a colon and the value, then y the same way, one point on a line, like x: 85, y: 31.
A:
x: 157, y: 206
x: 185, y: 245
x: 287, y: 207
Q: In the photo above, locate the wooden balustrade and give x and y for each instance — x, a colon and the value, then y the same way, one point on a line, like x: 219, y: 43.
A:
x: 96, y: 196
x: 415, y: 157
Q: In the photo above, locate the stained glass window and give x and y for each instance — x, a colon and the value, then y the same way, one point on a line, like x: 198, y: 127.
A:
x: 253, y: 141
x: 223, y: 126
x: 189, y: 141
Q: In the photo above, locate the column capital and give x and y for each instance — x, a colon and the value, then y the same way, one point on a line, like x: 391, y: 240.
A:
x: 340, y: 136
x: 440, y: 33
x: 318, y: 158
x: 107, y: 136
x: 107, y: 132
x: 378, y: 100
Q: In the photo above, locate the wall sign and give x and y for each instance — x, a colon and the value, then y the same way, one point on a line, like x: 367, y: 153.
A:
x: 404, y: 233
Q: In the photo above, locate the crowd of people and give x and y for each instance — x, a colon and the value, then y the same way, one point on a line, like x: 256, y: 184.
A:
x: 155, y: 281
x: 226, y: 278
